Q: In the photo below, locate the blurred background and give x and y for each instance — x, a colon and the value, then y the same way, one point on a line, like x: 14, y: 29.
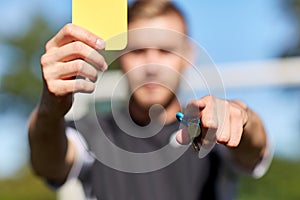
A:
x: 259, y: 40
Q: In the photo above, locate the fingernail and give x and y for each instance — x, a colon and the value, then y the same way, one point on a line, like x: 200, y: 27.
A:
x: 105, y: 66
x: 173, y: 142
x: 100, y: 44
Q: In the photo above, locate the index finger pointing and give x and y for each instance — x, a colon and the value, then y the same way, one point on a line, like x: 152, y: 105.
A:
x: 70, y: 33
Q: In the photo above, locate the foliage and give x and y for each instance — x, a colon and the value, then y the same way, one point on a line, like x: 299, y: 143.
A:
x: 21, y: 80
x: 23, y: 84
x: 25, y: 186
x: 293, y: 9
x: 280, y: 182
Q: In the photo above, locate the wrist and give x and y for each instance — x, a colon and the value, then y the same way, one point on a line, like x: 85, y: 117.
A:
x: 55, y: 107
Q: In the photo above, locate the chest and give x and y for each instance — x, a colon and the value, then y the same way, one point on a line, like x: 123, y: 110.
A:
x: 183, y: 179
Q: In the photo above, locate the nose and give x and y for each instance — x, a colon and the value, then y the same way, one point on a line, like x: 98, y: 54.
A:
x: 152, y: 56
x: 153, y: 59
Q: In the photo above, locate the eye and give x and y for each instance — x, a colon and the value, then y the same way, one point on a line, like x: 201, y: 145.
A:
x: 168, y: 49
x: 165, y: 51
x: 138, y: 51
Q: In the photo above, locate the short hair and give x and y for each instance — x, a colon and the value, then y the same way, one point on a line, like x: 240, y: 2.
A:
x: 147, y: 9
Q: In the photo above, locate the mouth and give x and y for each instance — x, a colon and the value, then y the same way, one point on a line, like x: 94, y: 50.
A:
x: 152, y: 85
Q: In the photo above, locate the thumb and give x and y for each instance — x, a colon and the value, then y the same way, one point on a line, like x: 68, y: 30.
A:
x: 182, y: 137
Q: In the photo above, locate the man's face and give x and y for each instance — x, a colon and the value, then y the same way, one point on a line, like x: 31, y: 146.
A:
x: 151, y: 66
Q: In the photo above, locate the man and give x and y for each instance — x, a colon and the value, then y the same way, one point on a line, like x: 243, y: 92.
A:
x: 57, y: 156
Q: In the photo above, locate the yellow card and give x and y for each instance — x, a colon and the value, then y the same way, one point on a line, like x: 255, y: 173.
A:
x: 105, y: 18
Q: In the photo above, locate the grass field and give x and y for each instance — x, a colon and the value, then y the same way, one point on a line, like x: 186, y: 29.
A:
x: 281, y: 182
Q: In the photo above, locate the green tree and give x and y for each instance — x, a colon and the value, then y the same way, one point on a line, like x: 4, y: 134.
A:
x: 293, y: 9
x: 21, y: 82
x: 20, y: 87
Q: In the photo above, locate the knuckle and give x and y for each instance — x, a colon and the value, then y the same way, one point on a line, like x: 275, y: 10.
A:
x: 237, y: 113
x: 47, y: 70
x: 52, y: 88
x: 47, y: 46
x: 44, y: 60
x: 209, y: 98
x: 78, y: 65
x: 84, y: 86
x: 90, y: 87
x: 77, y: 46
x: 58, y: 88
x: 68, y: 29
x: 94, y: 75
x: 46, y: 75
x: 79, y: 85
x: 192, y: 105
x: 210, y: 123
x: 226, y: 107
x: 227, y: 104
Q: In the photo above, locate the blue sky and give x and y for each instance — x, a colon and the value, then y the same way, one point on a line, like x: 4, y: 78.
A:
x: 230, y: 31
x: 239, y: 30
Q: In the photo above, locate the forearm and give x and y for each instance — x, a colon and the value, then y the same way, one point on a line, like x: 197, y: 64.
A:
x: 68, y: 54
x: 51, y: 155
x: 253, y: 143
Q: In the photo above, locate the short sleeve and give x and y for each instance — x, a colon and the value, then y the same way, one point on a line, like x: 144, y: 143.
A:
x: 83, y: 160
